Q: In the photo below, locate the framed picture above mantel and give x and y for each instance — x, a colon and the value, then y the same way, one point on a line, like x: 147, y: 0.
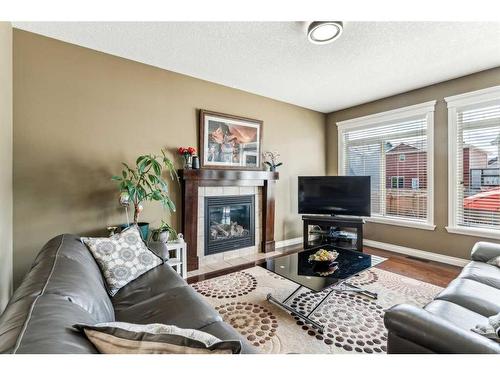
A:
x: 230, y: 142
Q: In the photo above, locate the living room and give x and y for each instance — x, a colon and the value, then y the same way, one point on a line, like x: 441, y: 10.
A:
x: 217, y: 186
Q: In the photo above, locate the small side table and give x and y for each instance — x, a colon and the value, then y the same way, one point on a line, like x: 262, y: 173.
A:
x: 178, y: 257
x: 174, y: 253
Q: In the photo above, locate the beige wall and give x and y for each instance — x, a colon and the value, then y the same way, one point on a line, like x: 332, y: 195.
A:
x: 5, y: 163
x: 438, y: 241
x: 78, y: 113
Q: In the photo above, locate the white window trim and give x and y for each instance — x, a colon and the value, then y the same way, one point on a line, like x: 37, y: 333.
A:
x: 454, y: 102
x: 400, y: 222
x: 427, y: 109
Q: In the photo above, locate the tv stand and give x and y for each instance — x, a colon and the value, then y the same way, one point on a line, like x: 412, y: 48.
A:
x: 326, y: 222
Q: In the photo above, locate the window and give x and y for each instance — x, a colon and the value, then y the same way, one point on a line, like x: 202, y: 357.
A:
x: 395, y: 149
x: 397, y: 182
x: 415, y: 183
x: 473, y: 163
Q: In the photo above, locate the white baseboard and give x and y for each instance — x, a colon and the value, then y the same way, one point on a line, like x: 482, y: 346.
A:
x: 394, y: 248
x: 289, y: 242
x: 417, y: 253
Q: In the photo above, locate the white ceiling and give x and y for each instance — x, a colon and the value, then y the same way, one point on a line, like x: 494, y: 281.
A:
x: 371, y: 60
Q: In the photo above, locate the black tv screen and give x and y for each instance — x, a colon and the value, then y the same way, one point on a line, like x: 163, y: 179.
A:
x: 335, y: 195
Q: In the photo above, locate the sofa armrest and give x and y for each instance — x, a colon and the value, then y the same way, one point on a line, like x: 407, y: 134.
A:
x: 484, y: 251
x: 435, y: 333
x: 160, y: 249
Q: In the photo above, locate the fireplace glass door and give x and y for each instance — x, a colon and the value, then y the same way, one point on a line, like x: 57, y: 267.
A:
x: 229, y: 223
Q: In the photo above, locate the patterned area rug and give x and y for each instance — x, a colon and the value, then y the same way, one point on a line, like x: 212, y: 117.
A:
x: 353, y: 323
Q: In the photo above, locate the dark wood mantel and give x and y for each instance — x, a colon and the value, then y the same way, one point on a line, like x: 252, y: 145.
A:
x: 192, y: 179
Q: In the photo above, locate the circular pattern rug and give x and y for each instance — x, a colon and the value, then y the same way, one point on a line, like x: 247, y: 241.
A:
x: 234, y: 285
x: 353, y: 323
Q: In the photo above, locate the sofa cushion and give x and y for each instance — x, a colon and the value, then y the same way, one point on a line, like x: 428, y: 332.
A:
x: 180, y: 306
x: 47, y: 329
x: 122, y: 257
x: 65, y: 274
x: 128, y: 338
x: 483, y: 273
x: 472, y: 295
x: 224, y: 331
x: 65, y: 266
x: 456, y: 314
x: 157, y: 281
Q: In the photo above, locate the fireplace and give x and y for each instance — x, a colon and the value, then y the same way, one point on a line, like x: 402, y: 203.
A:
x: 229, y: 223
x: 197, y: 184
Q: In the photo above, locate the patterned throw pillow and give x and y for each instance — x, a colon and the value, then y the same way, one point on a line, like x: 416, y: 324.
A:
x: 490, y: 330
x: 122, y: 257
x: 128, y: 338
x: 495, y: 261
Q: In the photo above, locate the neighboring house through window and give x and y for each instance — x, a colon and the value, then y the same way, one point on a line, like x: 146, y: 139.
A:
x: 474, y: 174
x: 395, y: 149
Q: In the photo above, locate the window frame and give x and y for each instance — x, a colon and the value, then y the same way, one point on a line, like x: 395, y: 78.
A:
x: 397, y: 182
x: 454, y: 104
x: 400, y: 114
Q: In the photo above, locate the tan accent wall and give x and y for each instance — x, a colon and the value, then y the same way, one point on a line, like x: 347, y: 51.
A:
x: 439, y: 241
x: 5, y: 163
x: 78, y: 113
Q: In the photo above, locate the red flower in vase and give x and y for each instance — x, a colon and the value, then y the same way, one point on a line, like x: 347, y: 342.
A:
x: 186, y: 151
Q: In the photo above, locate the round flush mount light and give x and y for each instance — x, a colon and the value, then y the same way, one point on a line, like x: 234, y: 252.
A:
x: 323, y: 32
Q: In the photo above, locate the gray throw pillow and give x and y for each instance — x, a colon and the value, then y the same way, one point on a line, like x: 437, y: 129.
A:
x: 490, y: 330
x: 128, y: 338
x: 122, y: 257
x: 495, y: 261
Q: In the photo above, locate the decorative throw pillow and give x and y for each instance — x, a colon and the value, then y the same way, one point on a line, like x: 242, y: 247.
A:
x: 490, y: 330
x: 495, y: 261
x: 122, y: 257
x: 128, y: 338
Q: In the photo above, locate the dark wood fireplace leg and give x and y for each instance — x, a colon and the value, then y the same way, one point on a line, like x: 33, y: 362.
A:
x: 268, y: 206
x: 190, y: 221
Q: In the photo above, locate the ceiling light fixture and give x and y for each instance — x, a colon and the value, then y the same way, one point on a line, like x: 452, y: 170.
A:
x: 323, y: 32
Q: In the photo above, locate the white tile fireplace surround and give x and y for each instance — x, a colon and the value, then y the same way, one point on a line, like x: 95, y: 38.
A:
x: 227, y: 256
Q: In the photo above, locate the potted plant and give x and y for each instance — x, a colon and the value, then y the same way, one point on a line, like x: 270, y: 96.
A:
x: 144, y: 182
x: 164, y: 233
x: 272, y: 160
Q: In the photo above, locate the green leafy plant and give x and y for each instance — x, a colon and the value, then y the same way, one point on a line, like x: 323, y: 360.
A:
x: 272, y: 159
x: 164, y: 227
x: 144, y: 182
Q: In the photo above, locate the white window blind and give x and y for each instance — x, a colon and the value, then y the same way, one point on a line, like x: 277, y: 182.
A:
x: 476, y: 172
x: 395, y: 151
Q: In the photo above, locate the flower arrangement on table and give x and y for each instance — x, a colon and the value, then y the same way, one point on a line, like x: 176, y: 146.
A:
x: 272, y: 160
x: 323, y: 255
x: 187, y: 153
x: 323, y: 262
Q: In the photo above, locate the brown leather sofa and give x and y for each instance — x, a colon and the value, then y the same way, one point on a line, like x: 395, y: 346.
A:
x: 444, y: 325
x: 65, y: 287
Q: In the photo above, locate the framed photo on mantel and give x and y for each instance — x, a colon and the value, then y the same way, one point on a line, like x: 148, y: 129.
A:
x: 230, y: 142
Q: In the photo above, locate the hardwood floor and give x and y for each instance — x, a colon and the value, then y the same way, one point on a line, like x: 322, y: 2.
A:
x: 424, y: 270
x: 439, y: 274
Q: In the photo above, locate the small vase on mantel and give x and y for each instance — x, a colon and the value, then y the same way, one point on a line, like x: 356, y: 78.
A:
x: 195, y: 162
x: 188, y: 161
x: 187, y: 153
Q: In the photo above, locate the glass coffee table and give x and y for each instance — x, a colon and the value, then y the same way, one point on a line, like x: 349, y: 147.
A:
x: 297, y: 268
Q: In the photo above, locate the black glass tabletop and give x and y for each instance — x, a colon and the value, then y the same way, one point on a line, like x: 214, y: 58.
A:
x: 297, y: 267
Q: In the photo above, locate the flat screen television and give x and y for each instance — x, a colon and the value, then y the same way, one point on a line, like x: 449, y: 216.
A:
x: 335, y: 195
